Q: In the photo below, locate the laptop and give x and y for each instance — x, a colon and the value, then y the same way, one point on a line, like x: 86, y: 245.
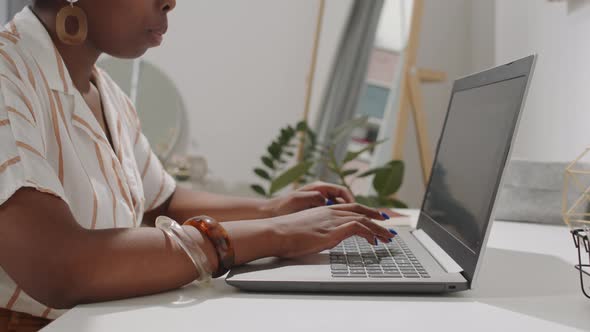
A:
x: 444, y: 252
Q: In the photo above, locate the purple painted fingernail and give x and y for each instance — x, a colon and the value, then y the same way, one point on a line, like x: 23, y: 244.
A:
x: 384, y: 215
x: 376, y: 243
x: 392, y: 231
x: 329, y: 202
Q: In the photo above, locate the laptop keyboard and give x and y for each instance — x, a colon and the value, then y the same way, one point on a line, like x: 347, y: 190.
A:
x: 356, y: 258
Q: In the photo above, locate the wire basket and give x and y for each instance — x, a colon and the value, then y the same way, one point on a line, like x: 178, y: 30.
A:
x: 582, y: 244
x: 576, y: 214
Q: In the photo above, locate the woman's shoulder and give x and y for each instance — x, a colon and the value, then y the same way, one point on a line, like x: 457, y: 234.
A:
x: 19, y: 69
x: 14, y: 61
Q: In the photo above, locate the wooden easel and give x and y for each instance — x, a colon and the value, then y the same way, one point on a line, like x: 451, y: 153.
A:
x: 410, y: 96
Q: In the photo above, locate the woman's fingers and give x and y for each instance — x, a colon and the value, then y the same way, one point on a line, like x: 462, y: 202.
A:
x: 309, y: 199
x: 379, y: 230
x: 330, y: 190
x: 360, y: 209
x: 376, y: 230
x: 340, y: 200
x: 353, y: 228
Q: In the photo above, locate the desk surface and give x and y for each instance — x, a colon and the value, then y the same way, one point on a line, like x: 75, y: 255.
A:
x: 527, y: 283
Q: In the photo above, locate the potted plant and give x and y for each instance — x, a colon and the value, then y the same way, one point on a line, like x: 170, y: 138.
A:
x: 278, y: 169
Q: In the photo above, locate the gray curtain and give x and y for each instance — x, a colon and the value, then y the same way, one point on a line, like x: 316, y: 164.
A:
x: 347, y: 80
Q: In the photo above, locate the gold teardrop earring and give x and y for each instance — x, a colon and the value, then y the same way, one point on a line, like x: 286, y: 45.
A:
x: 80, y: 16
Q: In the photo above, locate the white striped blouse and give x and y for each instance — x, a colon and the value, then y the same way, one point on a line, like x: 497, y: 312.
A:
x: 51, y: 141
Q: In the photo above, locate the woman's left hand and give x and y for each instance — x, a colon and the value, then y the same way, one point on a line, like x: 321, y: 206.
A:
x: 307, y: 197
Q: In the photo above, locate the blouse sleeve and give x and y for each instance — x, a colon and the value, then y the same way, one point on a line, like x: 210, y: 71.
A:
x: 23, y: 160
x: 158, y: 185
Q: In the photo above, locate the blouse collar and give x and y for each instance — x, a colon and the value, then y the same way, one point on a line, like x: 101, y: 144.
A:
x: 33, y: 37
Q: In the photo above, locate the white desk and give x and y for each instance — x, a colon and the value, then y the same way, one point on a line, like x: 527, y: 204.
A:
x: 527, y: 283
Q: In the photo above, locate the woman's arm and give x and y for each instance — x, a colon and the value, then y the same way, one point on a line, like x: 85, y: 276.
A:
x: 59, y: 263
x: 185, y: 203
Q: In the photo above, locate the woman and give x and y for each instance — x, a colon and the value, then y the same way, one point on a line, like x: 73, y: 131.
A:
x: 77, y: 177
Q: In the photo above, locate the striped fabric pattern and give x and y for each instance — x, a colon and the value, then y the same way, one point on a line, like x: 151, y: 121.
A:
x: 51, y: 141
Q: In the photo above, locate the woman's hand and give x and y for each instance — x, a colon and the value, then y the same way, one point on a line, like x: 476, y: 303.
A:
x: 322, y: 228
x: 309, y: 196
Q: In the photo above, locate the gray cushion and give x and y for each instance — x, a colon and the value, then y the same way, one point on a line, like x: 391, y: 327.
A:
x: 532, y: 192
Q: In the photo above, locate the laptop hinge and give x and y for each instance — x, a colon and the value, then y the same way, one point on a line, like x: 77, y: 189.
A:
x: 439, y: 254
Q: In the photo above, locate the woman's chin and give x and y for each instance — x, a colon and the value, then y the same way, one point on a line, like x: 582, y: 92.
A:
x: 129, y: 54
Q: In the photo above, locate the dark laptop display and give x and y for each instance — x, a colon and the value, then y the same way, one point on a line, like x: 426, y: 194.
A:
x: 470, y: 159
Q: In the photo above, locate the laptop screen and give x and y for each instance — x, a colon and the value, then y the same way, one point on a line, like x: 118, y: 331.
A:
x: 470, y: 159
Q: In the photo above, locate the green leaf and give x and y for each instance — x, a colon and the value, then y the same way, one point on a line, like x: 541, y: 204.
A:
x: 301, y: 126
x: 267, y: 162
x: 258, y: 189
x: 399, y: 204
x: 345, y: 129
x: 353, y: 155
x: 283, y: 140
x: 312, y: 136
x: 333, y: 167
x: 370, y: 201
x: 289, y: 176
x: 370, y: 172
x: 262, y: 173
x: 289, y: 153
x: 362, y: 200
x: 348, y: 172
x: 291, y: 130
x: 274, y: 150
x: 388, y: 180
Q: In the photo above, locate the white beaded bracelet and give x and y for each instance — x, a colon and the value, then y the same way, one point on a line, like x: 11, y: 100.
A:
x: 194, y: 252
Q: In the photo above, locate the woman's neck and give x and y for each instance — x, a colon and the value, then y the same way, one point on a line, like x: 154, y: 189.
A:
x: 79, y: 59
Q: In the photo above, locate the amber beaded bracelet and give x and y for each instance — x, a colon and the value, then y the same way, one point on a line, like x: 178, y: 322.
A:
x: 213, y: 230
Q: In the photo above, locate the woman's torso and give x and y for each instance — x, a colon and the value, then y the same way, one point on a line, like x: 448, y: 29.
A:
x: 60, y: 148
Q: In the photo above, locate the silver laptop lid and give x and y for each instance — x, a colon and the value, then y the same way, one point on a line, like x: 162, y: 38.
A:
x: 470, y: 160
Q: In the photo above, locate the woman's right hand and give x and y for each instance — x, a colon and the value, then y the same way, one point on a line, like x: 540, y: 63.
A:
x: 314, y: 230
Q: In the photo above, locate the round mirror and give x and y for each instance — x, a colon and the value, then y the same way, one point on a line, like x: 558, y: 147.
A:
x: 158, y: 102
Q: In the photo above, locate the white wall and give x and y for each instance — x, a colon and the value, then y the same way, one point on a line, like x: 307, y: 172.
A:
x: 555, y: 123
x: 241, y: 67
x: 483, y: 34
